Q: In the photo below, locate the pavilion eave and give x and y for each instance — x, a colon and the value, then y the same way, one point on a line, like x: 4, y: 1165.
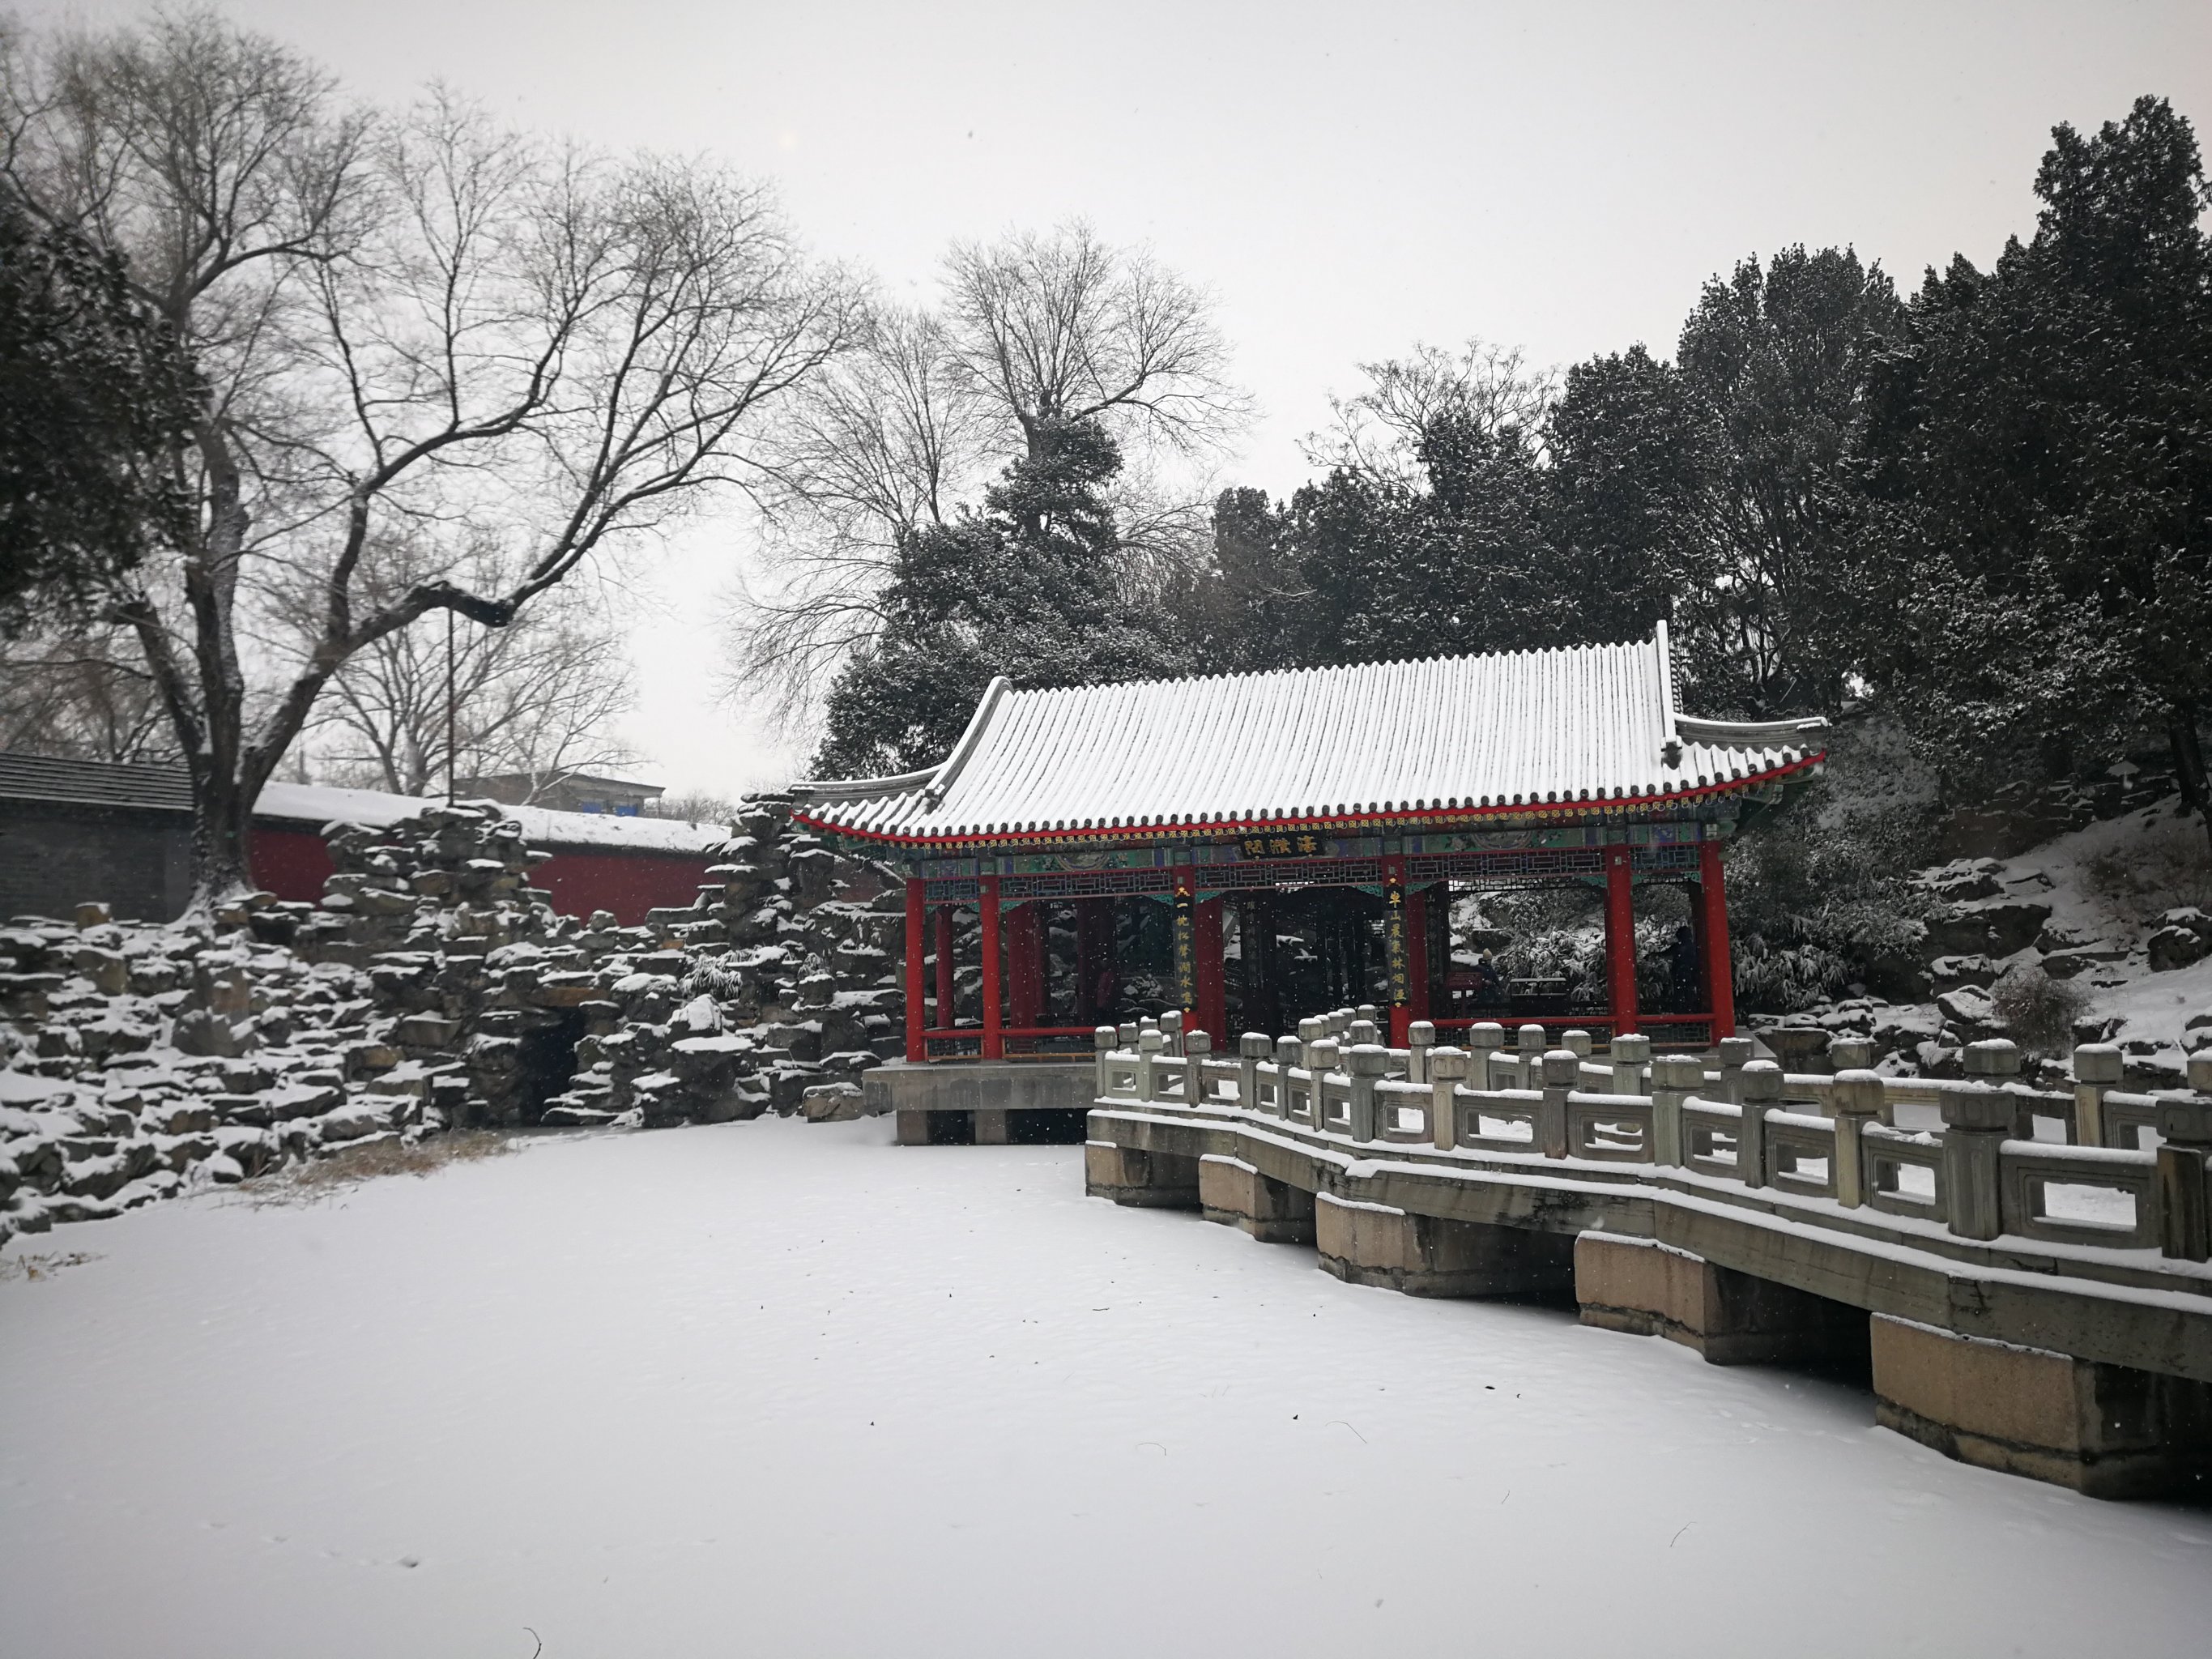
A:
x: 1415, y: 820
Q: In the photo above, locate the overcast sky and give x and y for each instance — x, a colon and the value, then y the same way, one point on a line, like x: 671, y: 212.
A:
x: 1347, y: 180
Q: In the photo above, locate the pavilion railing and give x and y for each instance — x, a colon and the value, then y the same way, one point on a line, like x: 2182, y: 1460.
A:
x: 1981, y: 1156
x: 1016, y: 1042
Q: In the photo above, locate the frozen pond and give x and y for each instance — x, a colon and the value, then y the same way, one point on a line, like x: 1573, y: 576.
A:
x: 785, y: 1389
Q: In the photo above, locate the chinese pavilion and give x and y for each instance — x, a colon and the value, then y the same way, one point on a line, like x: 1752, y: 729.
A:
x: 1370, y: 793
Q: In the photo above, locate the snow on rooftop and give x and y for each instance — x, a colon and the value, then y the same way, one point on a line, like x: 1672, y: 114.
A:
x: 1510, y: 729
x: 782, y: 1389
x: 318, y: 804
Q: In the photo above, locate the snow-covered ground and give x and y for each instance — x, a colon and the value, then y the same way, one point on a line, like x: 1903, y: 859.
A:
x: 785, y: 1389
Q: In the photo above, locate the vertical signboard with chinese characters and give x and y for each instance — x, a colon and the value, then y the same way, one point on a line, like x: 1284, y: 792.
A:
x: 1394, y: 945
x: 1186, y: 940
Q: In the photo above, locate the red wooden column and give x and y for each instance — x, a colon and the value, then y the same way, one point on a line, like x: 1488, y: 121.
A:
x: 1213, y: 1012
x: 917, y: 1016
x: 1619, y: 939
x: 1417, y: 954
x: 994, y: 1044
x: 946, y: 1009
x: 1720, y: 964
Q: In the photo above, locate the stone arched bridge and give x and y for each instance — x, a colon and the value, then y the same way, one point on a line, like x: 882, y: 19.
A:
x: 2027, y: 1279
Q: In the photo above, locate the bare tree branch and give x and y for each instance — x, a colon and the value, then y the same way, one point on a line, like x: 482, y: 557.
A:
x: 417, y: 331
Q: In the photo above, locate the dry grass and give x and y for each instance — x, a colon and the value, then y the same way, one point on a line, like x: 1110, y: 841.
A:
x: 2039, y: 1011
x: 304, y: 1183
x: 44, y: 1265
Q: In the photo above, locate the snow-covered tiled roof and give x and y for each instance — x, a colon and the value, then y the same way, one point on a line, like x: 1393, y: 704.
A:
x: 1455, y: 735
x: 320, y: 804
x: 167, y: 789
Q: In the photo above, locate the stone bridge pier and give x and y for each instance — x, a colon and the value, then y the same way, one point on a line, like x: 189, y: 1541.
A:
x: 1904, y: 1231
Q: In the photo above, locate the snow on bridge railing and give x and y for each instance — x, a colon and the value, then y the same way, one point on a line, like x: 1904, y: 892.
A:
x: 1961, y: 1154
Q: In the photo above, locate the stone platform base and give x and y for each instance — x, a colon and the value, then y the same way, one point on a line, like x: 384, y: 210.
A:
x: 1649, y: 1289
x: 1154, y: 1180
x: 1233, y: 1192
x: 1423, y: 1255
x: 984, y: 1102
x: 2107, y: 1430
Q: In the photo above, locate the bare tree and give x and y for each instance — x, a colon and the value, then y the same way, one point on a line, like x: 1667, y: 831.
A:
x: 1034, y: 329
x: 417, y: 323
x: 1378, y: 431
x: 1062, y: 326
x: 882, y: 442
x: 695, y: 807
x: 536, y: 697
x: 84, y: 692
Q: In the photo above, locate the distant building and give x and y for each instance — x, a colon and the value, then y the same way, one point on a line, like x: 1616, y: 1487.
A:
x: 72, y: 829
x: 579, y: 792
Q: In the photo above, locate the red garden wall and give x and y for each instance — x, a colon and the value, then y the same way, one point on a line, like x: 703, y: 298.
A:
x: 293, y: 863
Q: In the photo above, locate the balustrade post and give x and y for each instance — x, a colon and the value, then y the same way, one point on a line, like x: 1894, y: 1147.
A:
x: 1102, y: 1040
x: 1126, y: 1033
x: 1362, y: 1032
x: 1371, y: 1012
x: 1367, y: 1063
x: 2184, y: 1191
x: 1977, y: 1123
x: 1290, y: 1054
x: 1735, y: 1054
x: 1339, y: 1022
x: 1197, y: 1049
x: 1311, y: 1029
x: 1448, y: 1069
x: 1675, y: 1079
x: 1851, y: 1053
x: 1171, y: 1028
x: 1252, y: 1048
x: 1321, y: 1060
x: 1858, y: 1097
x: 1420, y: 1039
x: 1562, y: 1069
x: 1630, y: 1054
x: 1484, y: 1039
x: 2099, y: 1068
x: 1150, y: 1041
x: 1530, y: 1041
x: 1995, y: 1061
x: 1760, y: 1084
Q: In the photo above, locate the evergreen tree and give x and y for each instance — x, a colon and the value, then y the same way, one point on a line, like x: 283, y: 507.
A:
x: 1027, y: 588
x: 1778, y: 360
x: 93, y: 396
x: 1632, y: 458
x: 1446, y: 560
x: 2040, y: 471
